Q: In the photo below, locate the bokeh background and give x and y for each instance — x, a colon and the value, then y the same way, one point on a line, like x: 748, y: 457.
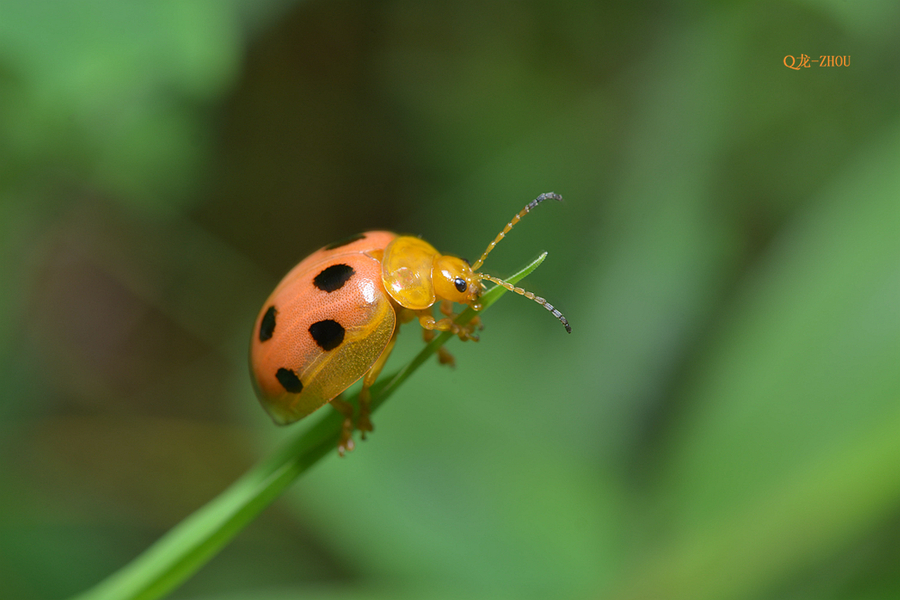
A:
x: 724, y: 421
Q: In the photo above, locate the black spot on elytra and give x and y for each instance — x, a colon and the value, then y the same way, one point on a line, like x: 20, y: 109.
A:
x: 346, y: 241
x: 333, y: 278
x: 328, y: 334
x: 267, y: 326
x: 289, y: 380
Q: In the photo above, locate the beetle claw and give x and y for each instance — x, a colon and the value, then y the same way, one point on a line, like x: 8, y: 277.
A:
x: 346, y: 444
x: 445, y: 358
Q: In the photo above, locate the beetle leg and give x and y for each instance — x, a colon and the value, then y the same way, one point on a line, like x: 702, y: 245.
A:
x: 473, y: 325
x: 447, y: 310
x: 444, y: 356
x: 427, y: 321
x: 364, y: 422
x: 345, y: 408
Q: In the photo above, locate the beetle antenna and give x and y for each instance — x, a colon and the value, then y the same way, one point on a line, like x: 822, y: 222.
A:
x: 528, y: 295
x: 510, y: 225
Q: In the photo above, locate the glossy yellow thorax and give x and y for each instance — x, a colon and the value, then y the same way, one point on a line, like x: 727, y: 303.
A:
x: 406, y: 269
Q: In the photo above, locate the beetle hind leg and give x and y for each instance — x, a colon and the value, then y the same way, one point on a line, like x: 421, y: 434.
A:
x: 363, y: 421
x: 345, y: 443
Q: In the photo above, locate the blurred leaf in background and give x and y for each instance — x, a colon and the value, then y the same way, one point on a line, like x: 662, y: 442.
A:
x: 722, y: 423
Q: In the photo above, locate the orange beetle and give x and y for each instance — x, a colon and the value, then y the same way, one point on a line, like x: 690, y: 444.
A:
x: 333, y: 319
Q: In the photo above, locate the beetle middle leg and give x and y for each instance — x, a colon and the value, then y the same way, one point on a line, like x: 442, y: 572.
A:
x: 444, y: 356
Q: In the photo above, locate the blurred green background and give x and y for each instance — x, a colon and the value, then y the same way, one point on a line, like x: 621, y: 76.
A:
x: 724, y: 421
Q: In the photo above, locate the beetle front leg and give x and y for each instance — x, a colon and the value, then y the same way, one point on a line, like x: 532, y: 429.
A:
x: 470, y: 327
x: 427, y: 321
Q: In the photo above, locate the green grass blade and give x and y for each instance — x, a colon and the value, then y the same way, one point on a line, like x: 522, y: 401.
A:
x: 193, y: 542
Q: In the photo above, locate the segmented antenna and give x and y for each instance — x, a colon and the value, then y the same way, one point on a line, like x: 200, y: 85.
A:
x: 528, y: 295
x: 510, y: 225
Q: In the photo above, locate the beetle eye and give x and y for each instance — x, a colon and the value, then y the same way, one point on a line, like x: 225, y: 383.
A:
x: 460, y: 284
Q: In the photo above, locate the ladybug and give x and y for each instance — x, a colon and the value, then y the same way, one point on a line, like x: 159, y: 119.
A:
x: 334, y: 319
